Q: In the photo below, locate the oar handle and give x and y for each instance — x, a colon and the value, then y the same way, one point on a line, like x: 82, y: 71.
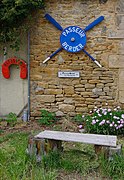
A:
x: 53, y: 54
x: 47, y: 59
x: 94, y: 23
x: 91, y: 57
x: 97, y: 63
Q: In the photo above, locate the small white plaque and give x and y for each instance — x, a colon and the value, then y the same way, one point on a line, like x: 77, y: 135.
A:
x: 69, y: 74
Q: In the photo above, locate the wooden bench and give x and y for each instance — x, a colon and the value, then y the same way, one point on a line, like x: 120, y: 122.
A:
x: 54, y: 141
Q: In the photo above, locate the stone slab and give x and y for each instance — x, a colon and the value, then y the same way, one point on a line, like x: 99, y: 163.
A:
x: 121, y: 96
x: 116, y: 61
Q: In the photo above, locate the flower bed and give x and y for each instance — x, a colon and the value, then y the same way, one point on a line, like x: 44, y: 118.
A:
x: 105, y: 121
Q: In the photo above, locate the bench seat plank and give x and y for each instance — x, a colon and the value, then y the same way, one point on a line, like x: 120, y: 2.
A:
x: 104, y: 140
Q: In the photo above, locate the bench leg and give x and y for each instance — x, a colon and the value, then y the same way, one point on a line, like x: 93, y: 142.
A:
x: 30, y: 146
x: 54, y: 145
x: 102, y: 150
x: 98, y: 149
x: 117, y: 150
x: 108, y: 152
x: 40, y: 149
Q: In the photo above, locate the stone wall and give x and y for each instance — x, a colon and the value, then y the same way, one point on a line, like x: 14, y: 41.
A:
x: 105, y: 42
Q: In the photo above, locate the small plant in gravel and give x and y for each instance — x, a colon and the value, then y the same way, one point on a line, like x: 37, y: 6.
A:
x: 47, y: 118
x: 11, y: 119
x: 105, y: 121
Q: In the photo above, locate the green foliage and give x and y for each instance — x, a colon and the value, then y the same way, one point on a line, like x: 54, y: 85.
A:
x: 113, y: 169
x: 15, y: 164
x: 1, y: 131
x: 47, y: 118
x: 77, y: 118
x: 71, y: 161
x: 11, y: 119
x: 12, y: 16
x: 105, y: 121
x: 1, y: 119
x: 52, y: 160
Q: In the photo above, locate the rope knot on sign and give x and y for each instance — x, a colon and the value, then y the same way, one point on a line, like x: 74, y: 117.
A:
x: 21, y: 63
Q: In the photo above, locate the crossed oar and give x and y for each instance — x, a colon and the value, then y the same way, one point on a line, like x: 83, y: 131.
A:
x: 59, y: 27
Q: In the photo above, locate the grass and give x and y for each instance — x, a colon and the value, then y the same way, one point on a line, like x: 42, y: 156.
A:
x: 76, y: 158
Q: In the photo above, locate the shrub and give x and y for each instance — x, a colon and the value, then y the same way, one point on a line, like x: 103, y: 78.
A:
x: 105, y: 121
x: 13, y: 14
x: 47, y: 118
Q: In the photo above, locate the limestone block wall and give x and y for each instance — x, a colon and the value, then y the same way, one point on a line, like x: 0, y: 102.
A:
x: 105, y: 42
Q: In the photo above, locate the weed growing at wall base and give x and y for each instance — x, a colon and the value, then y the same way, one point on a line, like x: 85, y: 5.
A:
x: 47, y: 118
x: 11, y: 119
x: 105, y: 121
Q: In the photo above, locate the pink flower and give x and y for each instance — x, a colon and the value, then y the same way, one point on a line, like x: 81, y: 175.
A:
x: 109, y: 110
x: 122, y: 121
x: 121, y: 125
x: 102, y: 122
x: 99, y: 115
x: 111, y: 125
x: 80, y: 126
x: 105, y: 113
x: 93, y: 122
x: 97, y: 110
x: 122, y: 116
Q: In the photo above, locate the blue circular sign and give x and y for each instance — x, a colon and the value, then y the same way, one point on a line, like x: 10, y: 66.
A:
x: 73, y: 39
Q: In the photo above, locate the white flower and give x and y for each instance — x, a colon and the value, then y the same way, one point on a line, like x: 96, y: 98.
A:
x: 122, y: 116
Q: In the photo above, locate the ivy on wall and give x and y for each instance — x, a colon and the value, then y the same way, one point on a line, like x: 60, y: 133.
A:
x: 12, y: 15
